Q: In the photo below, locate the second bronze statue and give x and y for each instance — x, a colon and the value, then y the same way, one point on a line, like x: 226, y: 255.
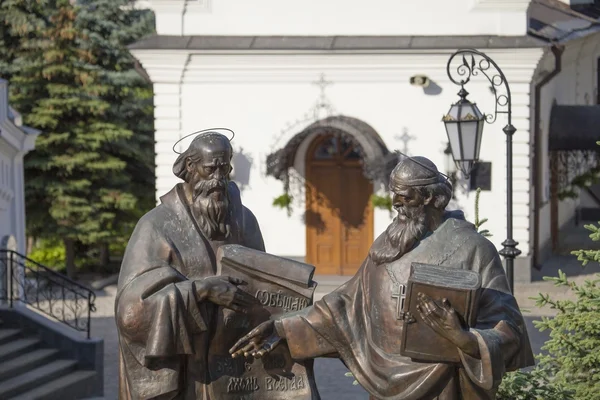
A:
x: 361, y: 321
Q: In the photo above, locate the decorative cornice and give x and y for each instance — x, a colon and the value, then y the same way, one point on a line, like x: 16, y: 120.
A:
x: 265, y: 68
x: 163, y: 67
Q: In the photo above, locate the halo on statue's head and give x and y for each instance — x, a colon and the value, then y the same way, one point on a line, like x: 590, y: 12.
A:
x: 216, y: 130
x: 416, y: 161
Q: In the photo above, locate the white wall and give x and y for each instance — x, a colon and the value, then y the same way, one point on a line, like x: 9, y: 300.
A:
x: 339, y: 17
x: 575, y: 85
x: 257, y: 95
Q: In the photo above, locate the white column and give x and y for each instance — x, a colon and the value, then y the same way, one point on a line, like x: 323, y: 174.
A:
x: 18, y: 218
x: 18, y: 270
x: 166, y: 70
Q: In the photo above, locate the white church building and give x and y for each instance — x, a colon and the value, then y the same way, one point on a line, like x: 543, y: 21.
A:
x: 16, y: 140
x: 321, y: 93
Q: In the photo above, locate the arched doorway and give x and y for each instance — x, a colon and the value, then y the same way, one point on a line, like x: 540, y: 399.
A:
x: 339, y: 214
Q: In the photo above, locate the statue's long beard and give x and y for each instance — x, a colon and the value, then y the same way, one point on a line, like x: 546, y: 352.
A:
x: 212, y: 215
x: 401, y: 236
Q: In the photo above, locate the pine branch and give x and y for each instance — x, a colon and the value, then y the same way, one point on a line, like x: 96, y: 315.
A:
x: 479, y: 222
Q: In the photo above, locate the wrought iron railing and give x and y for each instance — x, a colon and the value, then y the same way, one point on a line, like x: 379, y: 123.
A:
x: 24, y: 280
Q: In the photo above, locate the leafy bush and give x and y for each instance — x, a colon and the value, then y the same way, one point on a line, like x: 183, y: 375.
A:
x: 536, y: 384
x: 50, y: 253
x: 382, y: 202
x: 573, y: 350
x: 284, y: 201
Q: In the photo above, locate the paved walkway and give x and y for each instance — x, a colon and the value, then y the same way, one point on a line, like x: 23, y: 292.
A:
x: 332, y: 382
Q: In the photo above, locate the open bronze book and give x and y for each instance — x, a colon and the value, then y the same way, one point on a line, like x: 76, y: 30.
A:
x: 280, y: 285
x: 461, y: 288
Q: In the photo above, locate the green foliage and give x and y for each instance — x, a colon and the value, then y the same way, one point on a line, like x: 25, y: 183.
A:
x: 479, y: 222
x: 572, y: 353
x: 586, y: 256
x: 91, y: 176
x: 50, y: 253
x: 382, y: 202
x: 70, y: 172
x: 533, y: 385
x: 284, y: 201
x: 109, y: 27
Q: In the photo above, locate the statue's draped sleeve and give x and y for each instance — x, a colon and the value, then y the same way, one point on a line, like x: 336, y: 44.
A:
x: 157, y: 312
x: 157, y: 305
x: 500, y: 331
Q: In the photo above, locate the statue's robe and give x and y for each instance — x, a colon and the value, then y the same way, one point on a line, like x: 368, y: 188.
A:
x: 164, y: 331
x: 357, y: 323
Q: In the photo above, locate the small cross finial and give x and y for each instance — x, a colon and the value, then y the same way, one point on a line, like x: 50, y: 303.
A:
x: 322, y: 83
x: 404, y: 138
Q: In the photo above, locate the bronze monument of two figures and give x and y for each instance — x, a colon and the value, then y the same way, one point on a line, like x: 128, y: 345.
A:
x: 204, y: 313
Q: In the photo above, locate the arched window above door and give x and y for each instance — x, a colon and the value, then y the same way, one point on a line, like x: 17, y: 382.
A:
x: 336, y: 147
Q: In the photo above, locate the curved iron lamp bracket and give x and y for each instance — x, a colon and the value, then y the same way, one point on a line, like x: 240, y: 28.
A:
x: 473, y: 63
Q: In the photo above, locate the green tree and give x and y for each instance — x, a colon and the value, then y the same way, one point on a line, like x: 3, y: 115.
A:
x: 109, y: 26
x: 72, y: 177
x: 21, y: 21
x: 92, y: 173
x: 22, y: 45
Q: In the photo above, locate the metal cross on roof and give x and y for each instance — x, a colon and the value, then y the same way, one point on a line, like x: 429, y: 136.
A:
x: 322, y: 83
x: 405, y: 138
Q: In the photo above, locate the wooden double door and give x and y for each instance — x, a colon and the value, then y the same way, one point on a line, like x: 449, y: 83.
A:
x: 339, y: 214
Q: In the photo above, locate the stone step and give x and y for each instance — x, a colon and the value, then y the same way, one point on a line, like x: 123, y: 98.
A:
x: 7, y: 335
x: 35, y: 378
x: 17, y: 347
x: 25, y: 362
x: 67, y: 387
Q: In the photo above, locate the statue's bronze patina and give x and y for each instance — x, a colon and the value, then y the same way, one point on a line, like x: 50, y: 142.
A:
x: 176, y: 316
x: 362, y: 321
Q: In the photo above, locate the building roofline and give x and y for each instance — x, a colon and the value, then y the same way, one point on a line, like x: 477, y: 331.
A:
x: 334, y: 43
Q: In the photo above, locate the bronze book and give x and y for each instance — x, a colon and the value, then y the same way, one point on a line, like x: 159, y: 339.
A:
x: 279, y: 285
x: 461, y: 288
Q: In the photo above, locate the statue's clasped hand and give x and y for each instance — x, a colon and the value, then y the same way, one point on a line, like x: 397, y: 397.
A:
x: 224, y: 291
x: 445, y: 321
x: 258, y: 342
x: 442, y: 319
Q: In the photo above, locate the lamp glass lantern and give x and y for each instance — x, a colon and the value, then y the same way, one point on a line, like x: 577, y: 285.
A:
x: 464, y: 127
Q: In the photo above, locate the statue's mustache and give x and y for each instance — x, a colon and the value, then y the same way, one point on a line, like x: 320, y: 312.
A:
x: 204, y: 187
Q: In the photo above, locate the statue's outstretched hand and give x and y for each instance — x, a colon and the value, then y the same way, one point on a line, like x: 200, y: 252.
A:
x: 258, y: 342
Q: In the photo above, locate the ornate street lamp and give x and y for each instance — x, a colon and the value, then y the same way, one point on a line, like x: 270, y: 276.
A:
x: 464, y: 126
